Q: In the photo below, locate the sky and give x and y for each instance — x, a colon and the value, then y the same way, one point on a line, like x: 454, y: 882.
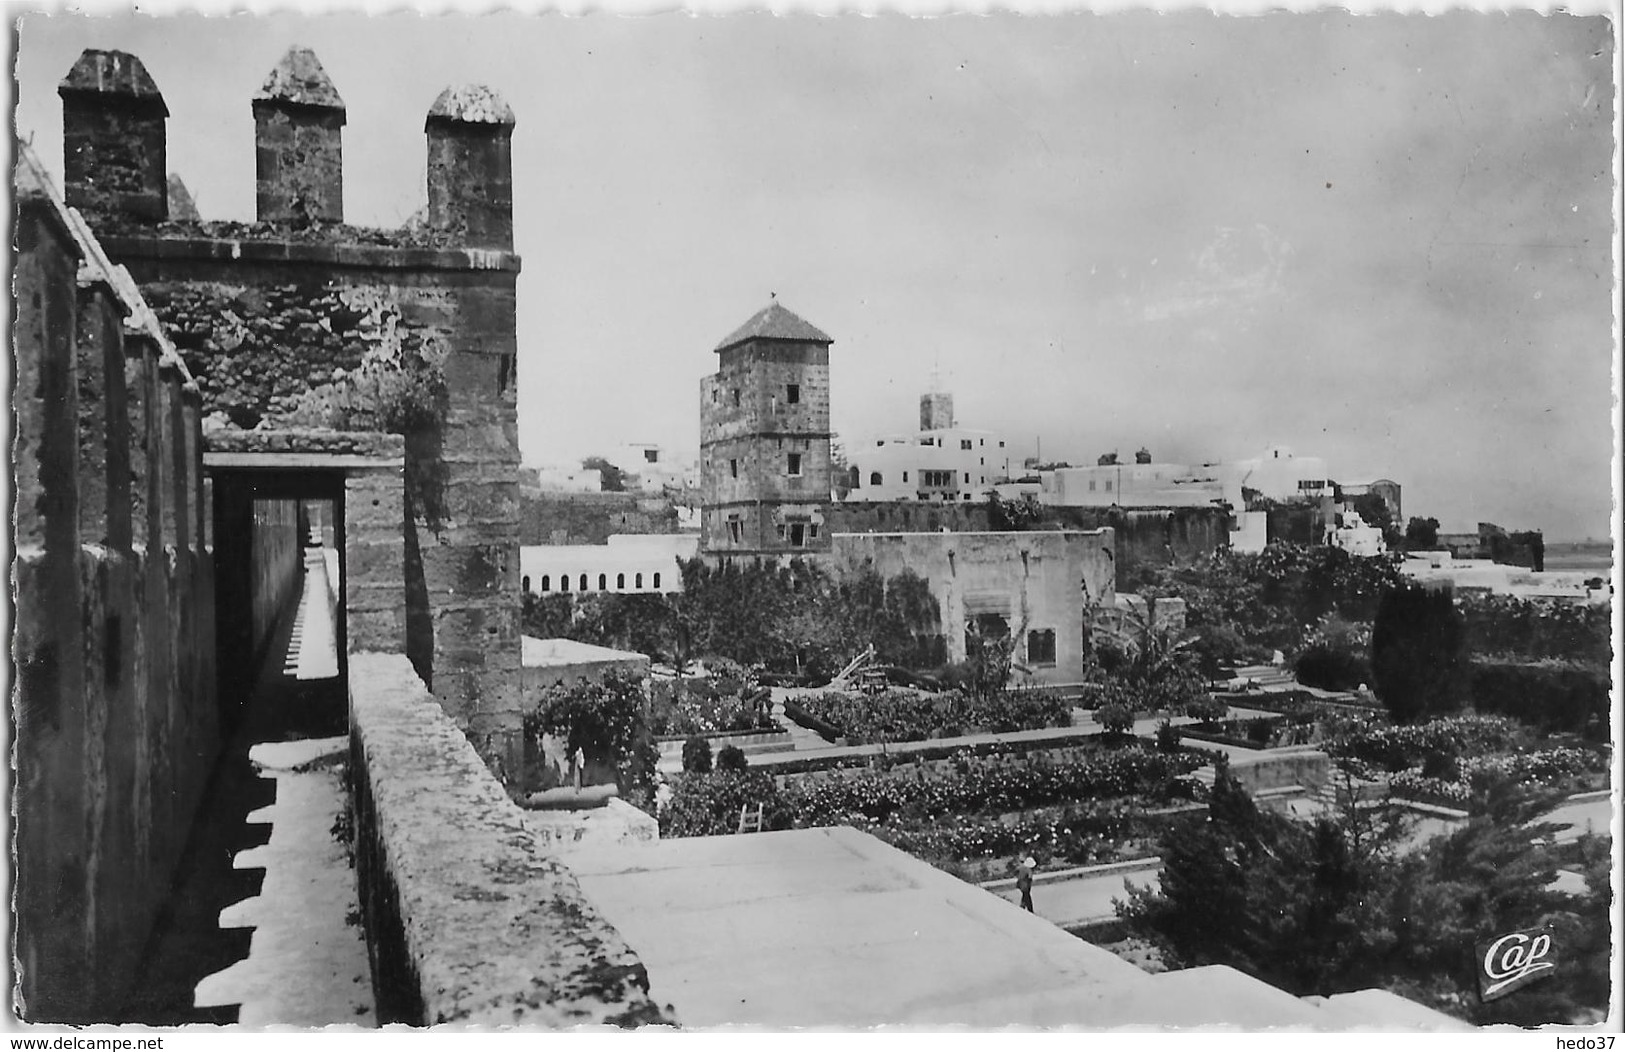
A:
x: 1383, y: 240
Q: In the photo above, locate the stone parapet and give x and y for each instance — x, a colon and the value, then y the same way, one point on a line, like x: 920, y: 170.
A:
x: 306, y: 441
x: 469, y: 920
x: 387, y: 250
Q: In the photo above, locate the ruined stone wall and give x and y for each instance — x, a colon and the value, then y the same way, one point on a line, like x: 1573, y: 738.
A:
x: 1038, y: 581
x: 590, y: 518
x: 1144, y: 536
x: 470, y: 918
x: 116, y: 717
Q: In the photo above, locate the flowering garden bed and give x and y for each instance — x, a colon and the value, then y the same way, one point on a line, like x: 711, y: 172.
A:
x: 903, y: 715
x: 1098, y: 808
x: 708, y: 707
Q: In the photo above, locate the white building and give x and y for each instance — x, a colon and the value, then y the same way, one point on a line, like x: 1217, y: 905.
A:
x: 1277, y: 474
x: 628, y: 563
x: 561, y: 478
x: 1356, y: 538
x: 1485, y: 575
x: 1136, y: 486
x: 939, y: 462
x: 650, y: 468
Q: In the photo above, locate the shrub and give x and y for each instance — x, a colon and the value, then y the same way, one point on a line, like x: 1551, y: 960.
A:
x: 1167, y: 737
x: 1260, y: 729
x: 731, y: 758
x: 995, y: 788
x: 1531, y: 629
x: 1115, y: 718
x: 1205, y: 709
x: 1398, y: 748
x: 697, y: 755
x: 602, y: 718
x: 709, y: 804
x: 1331, y: 668
x: 1552, y: 696
x: 898, y: 715
x: 706, y: 706
x: 1416, y: 651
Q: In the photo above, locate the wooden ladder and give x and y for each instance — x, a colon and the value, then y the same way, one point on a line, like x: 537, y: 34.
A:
x: 750, y: 821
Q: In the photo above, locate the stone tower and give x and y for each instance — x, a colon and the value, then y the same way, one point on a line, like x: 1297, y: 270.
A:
x: 936, y: 411
x: 764, y: 440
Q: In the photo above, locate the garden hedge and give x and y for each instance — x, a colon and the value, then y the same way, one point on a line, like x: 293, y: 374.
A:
x: 1549, y: 695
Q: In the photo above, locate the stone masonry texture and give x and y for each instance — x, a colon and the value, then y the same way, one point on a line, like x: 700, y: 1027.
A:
x: 471, y: 919
x: 115, y: 708
x: 278, y: 317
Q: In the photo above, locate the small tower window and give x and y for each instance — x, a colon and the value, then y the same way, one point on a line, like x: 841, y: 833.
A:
x: 798, y: 534
x: 524, y: 583
x: 620, y: 581
x: 564, y: 582
x: 603, y: 582
x: 547, y: 583
x: 657, y: 581
x: 637, y: 581
x: 733, y: 468
x: 905, y: 476
x: 793, y: 463
x: 792, y: 393
x: 583, y: 582
x: 964, y: 443
x: 876, y: 480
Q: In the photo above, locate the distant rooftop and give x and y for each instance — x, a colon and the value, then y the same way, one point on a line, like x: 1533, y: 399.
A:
x: 773, y: 322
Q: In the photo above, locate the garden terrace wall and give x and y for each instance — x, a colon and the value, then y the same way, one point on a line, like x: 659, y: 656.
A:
x: 468, y: 918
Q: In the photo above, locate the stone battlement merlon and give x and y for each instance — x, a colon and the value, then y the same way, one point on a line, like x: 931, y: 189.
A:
x: 115, y: 141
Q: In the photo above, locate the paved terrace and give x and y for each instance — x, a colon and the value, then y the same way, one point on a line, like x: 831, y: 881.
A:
x: 834, y: 928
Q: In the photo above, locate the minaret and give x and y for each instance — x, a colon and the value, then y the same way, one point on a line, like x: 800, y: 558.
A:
x: 764, y: 440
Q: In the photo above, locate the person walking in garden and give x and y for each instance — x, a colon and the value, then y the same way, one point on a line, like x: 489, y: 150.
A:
x: 1024, y: 882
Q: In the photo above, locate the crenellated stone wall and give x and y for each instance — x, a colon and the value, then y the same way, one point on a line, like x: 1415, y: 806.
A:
x: 117, y: 725
x: 298, y: 320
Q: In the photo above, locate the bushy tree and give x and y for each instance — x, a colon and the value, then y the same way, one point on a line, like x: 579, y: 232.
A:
x: 1416, y: 653
x: 1337, y: 905
x: 611, y: 478
x: 603, y: 718
x: 731, y: 758
x: 697, y: 755
x: 1154, y: 666
x: 1421, y: 535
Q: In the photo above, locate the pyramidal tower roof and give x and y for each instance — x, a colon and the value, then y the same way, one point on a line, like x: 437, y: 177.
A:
x: 299, y: 78
x: 773, y: 322
x: 112, y: 73
x: 471, y: 104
